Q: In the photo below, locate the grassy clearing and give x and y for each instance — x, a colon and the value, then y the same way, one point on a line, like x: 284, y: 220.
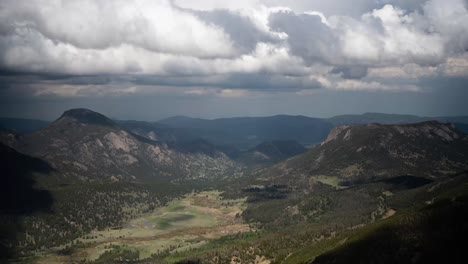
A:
x: 328, y: 180
x: 184, y: 224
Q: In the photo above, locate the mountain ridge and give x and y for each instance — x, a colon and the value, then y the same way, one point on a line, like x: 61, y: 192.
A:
x: 369, y: 152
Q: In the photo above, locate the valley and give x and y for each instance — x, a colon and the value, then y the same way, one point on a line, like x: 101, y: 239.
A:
x: 105, y: 192
x: 184, y: 224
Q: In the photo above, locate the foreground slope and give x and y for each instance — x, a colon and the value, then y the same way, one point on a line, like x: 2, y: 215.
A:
x: 423, y: 224
x: 364, y: 153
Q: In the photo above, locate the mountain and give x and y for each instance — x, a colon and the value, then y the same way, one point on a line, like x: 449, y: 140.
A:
x: 86, y: 116
x: 271, y: 151
x: 371, y: 152
x: 247, y: 132
x: 369, y: 118
x: 87, y: 146
x: 23, y: 126
x: 372, y: 189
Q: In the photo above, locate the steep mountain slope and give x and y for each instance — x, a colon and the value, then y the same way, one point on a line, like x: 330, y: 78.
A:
x: 18, y: 195
x: 88, y: 146
x: 17, y: 189
x: 364, y: 153
x: 247, y: 132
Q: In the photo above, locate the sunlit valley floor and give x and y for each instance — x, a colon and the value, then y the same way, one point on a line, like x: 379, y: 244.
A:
x: 184, y: 224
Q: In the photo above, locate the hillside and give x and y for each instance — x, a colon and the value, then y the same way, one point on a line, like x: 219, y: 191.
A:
x: 364, y: 153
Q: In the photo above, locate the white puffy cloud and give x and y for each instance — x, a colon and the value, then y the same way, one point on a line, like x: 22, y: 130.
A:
x: 154, y: 25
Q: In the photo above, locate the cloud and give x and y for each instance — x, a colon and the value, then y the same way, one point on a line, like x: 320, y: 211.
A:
x: 353, y: 72
x: 231, y: 45
x: 407, y: 71
x: 356, y: 85
x: 153, y: 25
x: 456, y: 67
x: 308, y: 37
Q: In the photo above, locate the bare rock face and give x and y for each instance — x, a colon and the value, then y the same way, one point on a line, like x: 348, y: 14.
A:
x: 335, y: 133
x: 371, y: 152
x: 87, y: 146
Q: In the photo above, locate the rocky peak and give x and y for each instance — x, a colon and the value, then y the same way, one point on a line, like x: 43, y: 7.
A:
x: 87, y: 116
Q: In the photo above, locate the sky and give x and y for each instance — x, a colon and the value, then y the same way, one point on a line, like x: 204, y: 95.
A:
x: 151, y: 59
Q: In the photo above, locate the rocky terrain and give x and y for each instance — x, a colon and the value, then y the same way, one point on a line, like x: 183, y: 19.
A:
x: 374, y: 151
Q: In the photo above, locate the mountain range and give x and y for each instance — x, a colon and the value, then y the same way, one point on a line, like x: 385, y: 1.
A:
x: 373, y: 152
x: 243, y: 133
x: 85, y: 145
x: 350, y: 176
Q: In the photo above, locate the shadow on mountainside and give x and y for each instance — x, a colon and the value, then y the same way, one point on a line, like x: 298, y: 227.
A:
x: 18, y: 196
x: 434, y: 234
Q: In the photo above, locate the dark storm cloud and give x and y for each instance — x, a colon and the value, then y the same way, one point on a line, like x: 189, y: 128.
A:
x: 241, y: 29
x: 352, y: 72
x: 243, y: 81
x: 308, y: 37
